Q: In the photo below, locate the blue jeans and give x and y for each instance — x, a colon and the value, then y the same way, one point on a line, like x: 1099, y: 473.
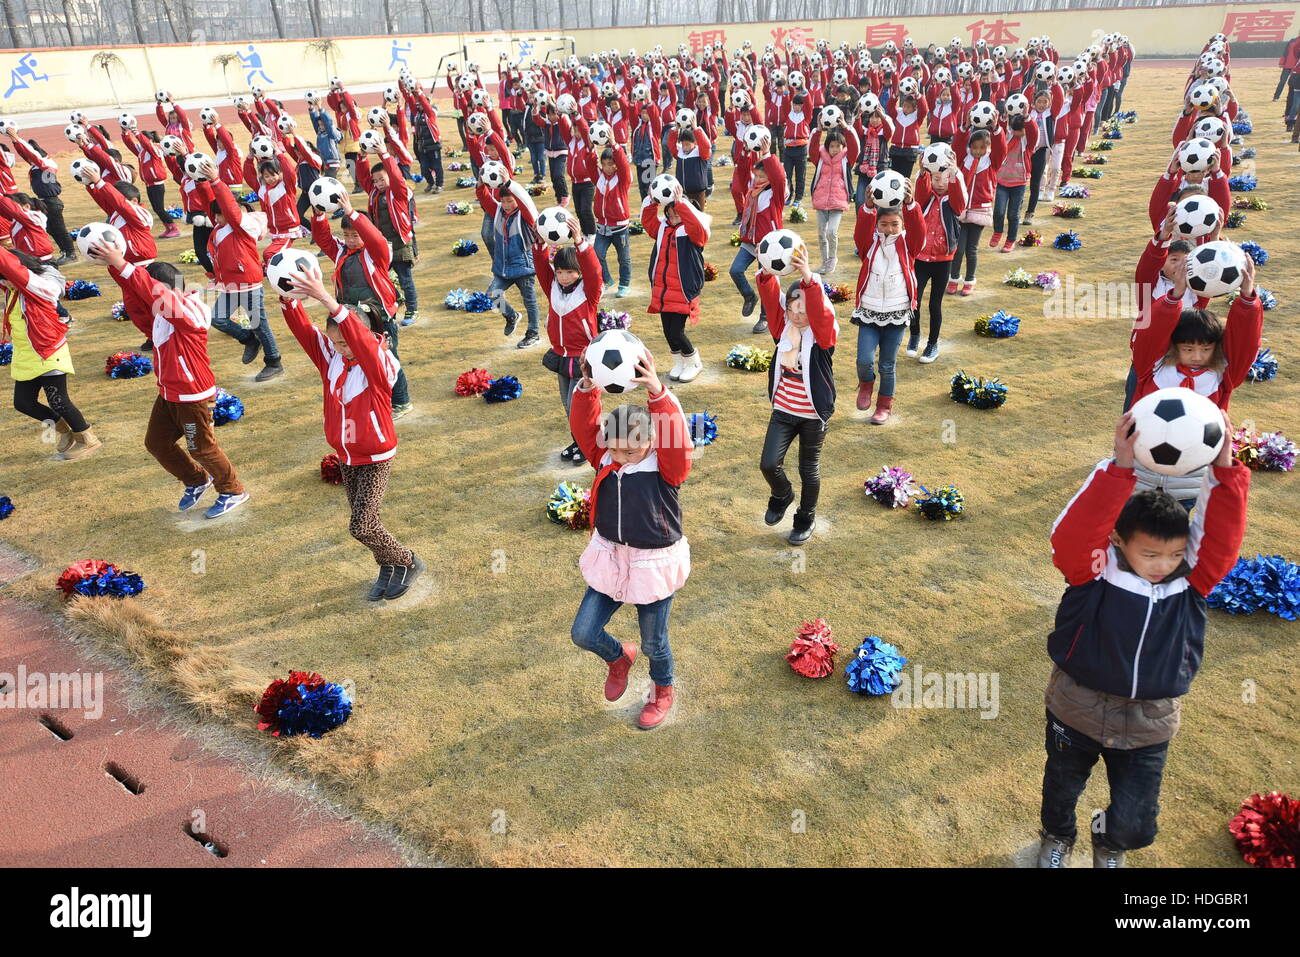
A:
x: 1134, y: 776
x: 407, y: 282
x: 401, y: 390
x: 887, y: 339
x: 739, y: 267
x: 254, y: 303
x: 619, y: 240
x: 527, y: 289
x: 1007, y: 206
x: 485, y: 233
x: 537, y: 156
x: 594, y: 614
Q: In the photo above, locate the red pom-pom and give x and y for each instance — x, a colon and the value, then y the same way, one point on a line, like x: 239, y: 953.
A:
x: 278, y: 692
x: 114, y: 360
x: 812, y: 653
x: 710, y: 272
x: 330, y: 471
x: 86, y: 568
x: 1267, y: 830
x: 473, y: 382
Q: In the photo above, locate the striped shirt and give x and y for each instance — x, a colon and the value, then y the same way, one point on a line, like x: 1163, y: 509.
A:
x: 792, y: 395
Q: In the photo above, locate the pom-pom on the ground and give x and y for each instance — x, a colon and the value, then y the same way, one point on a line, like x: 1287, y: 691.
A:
x: 80, y: 289
x: 1264, y: 367
x: 6, y: 353
x: 1255, y: 251
x: 704, y: 428
x: 1000, y: 325
x: 1049, y: 280
x: 1250, y: 202
x: 978, y: 393
x: 875, y: 667
x: 1247, y: 154
x: 466, y: 182
x: 478, y: 302
x: 735, y: 239
x: 837, y: 292
x: 536, y: 189
x: 798, y: 214
x: 176, y: 212
x: 93, y: 577
x: 636, y: 228
x: 1113, y: 134
x: 473, y: 382
x: 1242, y: 127
x: 1235, y: 219
x: 188, y: 256
x: 464, y: 247
x: 1266, y: 298
x: 723, y: 160
x: 1068, y: 241
x: 1092, y: 160
x: 330, y: 471
x: 456, y: 299
x: 1032, y: 237
x: 226, y: 408
x: 812, y: 653
x: 6, y: 507
x: 1073, y: 191
x: 118, y: 312
x: 1089, y: 172
x: 458, y: 209
x: 1019, y: 279
x: 891, y: 486
x: 304, y: 704
x: 570, y: 506
x: 127, y: 365
x: 749, y: 358
x: 504, y: 389
x: 613, y: 319
x: 1269, y: 584
x: 456, y: 167
x: 1267, y: 830
x: 1068, y: 210
x: 1263, y: 451
x: 710, y: 272
x: 1242, y: 183
x: 943, y: 504
x: 1100, y: 146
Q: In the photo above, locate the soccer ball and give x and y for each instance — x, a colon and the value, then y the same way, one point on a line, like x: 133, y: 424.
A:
x: 553, y: 225
x: 908, y: 86
x: 311, y: 96
x: 1045, y: 71
x: 602, y: 134
x: 390, y: 93
x: 286, y: 124
x: 841, y: 77
x: 1203, y: 96
x: 1066, y: 75
x: 479, y: 97
x: 664, y: 189
x: 80, y: 167
x: 126, y: 121
x: 757, y: 137
x: 938, y: 158
x: 1017, y: 104
x: 739, y: 99
x: 208, y: 116
x: 965, y: 70
x: 376, y: 116
x: 999, y: 52
x: 371, y: 141
x: 241, y: 102
x: 986, y: 66
x: 76, y: 116
x: 685, y: 118
x: 831, y: 117
x: 565, y: 103
x: 194, y: 166
x: 1178, y: 431
x: 776, y: 251
x: 326, y: 194
x: 982, y: 114
x: 868, y: 103
x: 94, y: 233
x: 263, y: 147
x: 289, y: 264
x: 943, y: 75
x: 8, y: 128
x: 1194, y: 156
x: 613, y: 356
x: 1215, y: 67
x: 1216, y: 269
x: 493, y: 174
x: 172, y: 145
x: 1210, y: 128
x: 74, y: 131
x: 162, y: 96
x: 888, y: 189
x: 465, y: 83
x: 1196, y: 216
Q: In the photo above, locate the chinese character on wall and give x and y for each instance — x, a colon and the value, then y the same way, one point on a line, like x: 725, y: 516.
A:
x: 1259, y: 26
x: 993, y: 31
x: 878, y: 34
x: 701, y: 41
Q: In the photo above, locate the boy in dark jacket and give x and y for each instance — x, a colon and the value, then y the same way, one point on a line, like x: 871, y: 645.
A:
x: 1129, y: 635
x: 514, y: 219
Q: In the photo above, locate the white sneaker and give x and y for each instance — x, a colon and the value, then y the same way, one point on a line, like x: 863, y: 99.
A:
x: 675, y: 372
x: 691, y: 367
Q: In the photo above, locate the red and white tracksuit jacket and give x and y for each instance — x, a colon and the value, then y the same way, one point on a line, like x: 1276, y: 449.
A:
x: 236, y: 263
x: 375, y: 252
x: 178, y: 327
x: 571, y: 320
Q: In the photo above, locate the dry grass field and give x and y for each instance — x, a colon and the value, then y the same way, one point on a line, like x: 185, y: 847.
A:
x: 480, y: 730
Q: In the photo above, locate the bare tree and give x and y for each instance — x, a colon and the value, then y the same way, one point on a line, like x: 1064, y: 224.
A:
x: 15, y: 38
x: 107, y: 61
x: 275, y: 15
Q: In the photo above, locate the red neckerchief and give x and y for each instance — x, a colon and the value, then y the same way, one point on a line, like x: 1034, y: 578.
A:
x: 1189, y: 376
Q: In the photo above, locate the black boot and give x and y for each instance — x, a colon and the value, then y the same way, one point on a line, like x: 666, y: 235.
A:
x: 803, y: 526
x: 776, y: 509
x: 381, y: 583
x: 404, y: 577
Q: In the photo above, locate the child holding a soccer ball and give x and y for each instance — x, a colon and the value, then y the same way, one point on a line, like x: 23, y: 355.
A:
x: 637, y: 554
x: 677, y: 274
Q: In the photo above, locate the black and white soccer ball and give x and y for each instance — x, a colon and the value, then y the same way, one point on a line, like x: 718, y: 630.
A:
x: 982, y: 114
x: 1210, y: 128
x: 391, y: 92
x: 195, y: 165
x: 553, y: 225
x: 908, y: 86
x: 1178, y: 431
x: 602, y: 134
x: 888, y: 189
x: 613, y: 356
x: 479, y: 97
x: 286, y: 124
x: 1203, y: 96
x: 664, y: 189
x: 126, y: 121
x: 565, y: 103
x: 465, y: 83
x: 241, y: 102
x: 326, y: 194
x: 1194, y: 156
x: 172, y: 145
x: 685, y: 118
x: 943, y: 75
x: 208, y: 116
x: 74, y: 131
x: 831, y: 117
x: 965, y: 70
x: 76, y: 116
x: 493, y: 175
x: 1045, y: 71
x: 868, y: 103
x: 290, y: 264
x: 376, y: 115
x: 262, y: 146
x: 94, y: 233
x: 757, y: 137
x: 938, y: 158
x: 80, y: 167
x: 1216, y: 268
x: 1017, y: 104
x: 1196, y: 216
x: 1066, y: 75
x: 162, y: 96
x: 371, y: 141
x: 478, y: 124
x: 776, y: 251
x: 739, y: 100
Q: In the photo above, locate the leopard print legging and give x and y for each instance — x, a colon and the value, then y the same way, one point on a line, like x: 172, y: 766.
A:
x: 366, y: 485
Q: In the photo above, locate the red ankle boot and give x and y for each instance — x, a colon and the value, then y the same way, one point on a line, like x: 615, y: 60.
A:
x: 864, y: 394
x: 616, y: 681
x: 653, y: 714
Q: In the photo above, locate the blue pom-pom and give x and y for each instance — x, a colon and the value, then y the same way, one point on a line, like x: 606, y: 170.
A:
x: 1068, y: 242
x: 1113, y: 134
x: 132, y: 368
x: 1256, y: 252
x: 226, y: 408
x: 250, y: 198
x: 1266, y: 298
x: 6, y: 353
x: 1264, y: 367
x: 704, y: 428
x: 875, y: 666
x: 112, y: 583
x: 1260, y: 584
x: 175, y: 212
x: 320, y: 710
x: 1248, y: 153
x: 1242, y: 128
x: 478, y: 302
x: 456, y: 299
x: 417, y: 178
x: 1242, y: 183
x: 503, y: 389
x: 81, y: 289
x: 465, y: 247
x: 6, y: 507
x: 1002, y: 325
